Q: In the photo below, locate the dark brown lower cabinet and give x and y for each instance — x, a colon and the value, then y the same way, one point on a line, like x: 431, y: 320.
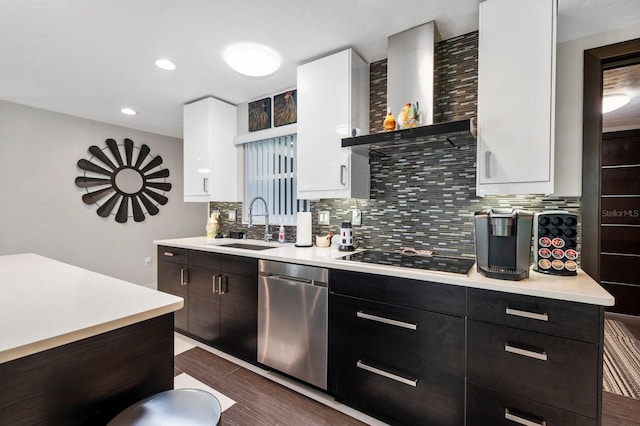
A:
x: 173, y: 269
x: 204, y: 305
x: 221, y: 298
x: 486, y: 406
x: 395, y: 362
x: 533, y: 360
x: 548, y: 369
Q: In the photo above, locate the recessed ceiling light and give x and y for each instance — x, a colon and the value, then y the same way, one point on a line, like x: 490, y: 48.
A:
x: 128, y: 111
x: 613, y: 102
x: 165, y: 64
x: 252, y: 59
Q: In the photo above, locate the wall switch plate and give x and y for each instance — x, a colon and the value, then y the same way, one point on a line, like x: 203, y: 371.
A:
x: 147, y: 261
x: 324, y: 218
x: 231, y: 215
x: 356, y: 217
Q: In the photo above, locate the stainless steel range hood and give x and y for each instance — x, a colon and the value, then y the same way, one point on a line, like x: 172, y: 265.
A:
x: 454, y: 133
x: 410, y: 69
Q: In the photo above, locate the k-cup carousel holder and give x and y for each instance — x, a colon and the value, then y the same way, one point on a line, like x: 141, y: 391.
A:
x: 555, y: 241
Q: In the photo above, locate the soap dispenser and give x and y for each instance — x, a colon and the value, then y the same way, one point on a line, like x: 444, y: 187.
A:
x: 281, y: 234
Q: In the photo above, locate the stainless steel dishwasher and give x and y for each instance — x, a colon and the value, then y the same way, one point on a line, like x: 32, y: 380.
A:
x: 292, y: 320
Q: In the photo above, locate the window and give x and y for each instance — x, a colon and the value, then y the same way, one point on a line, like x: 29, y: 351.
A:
x: 270, y: 172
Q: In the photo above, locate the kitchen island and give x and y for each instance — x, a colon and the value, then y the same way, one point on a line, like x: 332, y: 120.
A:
x: 77, y: 347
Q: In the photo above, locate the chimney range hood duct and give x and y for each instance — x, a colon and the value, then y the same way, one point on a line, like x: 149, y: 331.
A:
x: 410, y: 71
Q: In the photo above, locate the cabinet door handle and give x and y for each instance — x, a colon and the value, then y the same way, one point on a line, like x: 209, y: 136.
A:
x: 510, y: 415
x: 389, y: 321
x: 184, y: 276
x: 205, y: 184
x: 487, y: 164
x: 221, y: 280
x: 216, y: 280
x: 542, y: 356
x: 410, y: 382
x: 168, y: 253
x: 527, y: 314
x: 343, y: 169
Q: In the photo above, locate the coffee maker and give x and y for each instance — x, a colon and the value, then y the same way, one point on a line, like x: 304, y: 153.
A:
x: 503, y: 243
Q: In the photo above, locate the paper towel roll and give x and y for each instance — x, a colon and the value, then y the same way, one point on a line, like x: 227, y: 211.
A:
x: 304, y: 232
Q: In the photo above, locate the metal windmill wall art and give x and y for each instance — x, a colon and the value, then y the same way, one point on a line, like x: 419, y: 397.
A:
x: 123, y: 181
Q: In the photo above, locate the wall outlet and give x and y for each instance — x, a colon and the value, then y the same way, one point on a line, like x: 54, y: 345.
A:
x: 231, y: 215
x: 147, y: 261
x: 324, y: 217
x: 356, y: 217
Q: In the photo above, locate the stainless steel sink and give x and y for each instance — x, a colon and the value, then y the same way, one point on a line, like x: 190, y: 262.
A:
x: 247, y: 246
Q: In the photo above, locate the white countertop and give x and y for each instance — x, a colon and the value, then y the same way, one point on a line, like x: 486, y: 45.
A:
x: 45, y: 304
x: 581, y: 288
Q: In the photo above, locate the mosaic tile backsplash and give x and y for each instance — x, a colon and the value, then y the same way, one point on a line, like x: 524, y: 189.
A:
x: 423, y: 199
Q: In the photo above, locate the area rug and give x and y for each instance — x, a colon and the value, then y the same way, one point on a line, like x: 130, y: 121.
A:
x: 621, y: 369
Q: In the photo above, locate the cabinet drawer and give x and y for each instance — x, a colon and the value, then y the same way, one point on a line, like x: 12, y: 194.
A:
x: 408, y: 339
x: 425, y: 295
x: 556, y: 317
x: 490, y: 407
x: 173, y: 254
x: 238, y: 265
x: 204, y: 259
x: 430, y: 398
x: 547, y: 369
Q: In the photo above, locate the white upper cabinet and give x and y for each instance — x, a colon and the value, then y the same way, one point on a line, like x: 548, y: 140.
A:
x: 212, y: 163
x: 516, y: 97
x: 333, y: 98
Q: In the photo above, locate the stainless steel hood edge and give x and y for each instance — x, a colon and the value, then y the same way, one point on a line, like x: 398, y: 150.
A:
x: 456, y: 133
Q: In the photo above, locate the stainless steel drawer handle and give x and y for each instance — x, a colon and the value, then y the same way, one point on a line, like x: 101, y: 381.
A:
x: 521, y: 420
x: 542, y: 356
x: 168, y: 253
x: 184, y: 276
x: 221, y: 280
x: 526, y: 314
x: 389, y: 321
x: 386, y: 374
x: 216, y: 280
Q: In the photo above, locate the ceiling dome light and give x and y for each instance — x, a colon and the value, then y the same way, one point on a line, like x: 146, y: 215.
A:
x: 613, y: 102
x: 165, y: 64
x: 128, y: 111
x: 251, y: 59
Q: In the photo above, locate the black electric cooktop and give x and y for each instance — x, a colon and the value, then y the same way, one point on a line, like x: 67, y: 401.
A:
x: 456, y: 265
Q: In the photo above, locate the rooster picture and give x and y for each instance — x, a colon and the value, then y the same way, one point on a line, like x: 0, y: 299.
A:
x: 284, y: 107
x: 260, y: 114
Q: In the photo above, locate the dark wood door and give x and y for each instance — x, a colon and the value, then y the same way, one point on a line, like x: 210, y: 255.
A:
x: 204, y: 305
x: 620, y: 219
x: 170, y: 276
x: 239, y: 316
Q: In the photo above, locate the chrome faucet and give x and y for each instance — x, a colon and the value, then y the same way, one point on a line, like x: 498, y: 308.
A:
x: 267, y: 234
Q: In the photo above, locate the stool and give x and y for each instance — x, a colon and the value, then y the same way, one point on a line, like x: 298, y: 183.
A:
x: 173, y: 407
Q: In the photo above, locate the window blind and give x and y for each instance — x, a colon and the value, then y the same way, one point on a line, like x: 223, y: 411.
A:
x: 270, y: 172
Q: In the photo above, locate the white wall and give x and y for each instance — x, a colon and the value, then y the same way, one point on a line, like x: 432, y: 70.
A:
x: 569, y: 87
x: 41, y: 210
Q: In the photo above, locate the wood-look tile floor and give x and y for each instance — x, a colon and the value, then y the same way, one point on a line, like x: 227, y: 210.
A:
x: 259, y: 401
